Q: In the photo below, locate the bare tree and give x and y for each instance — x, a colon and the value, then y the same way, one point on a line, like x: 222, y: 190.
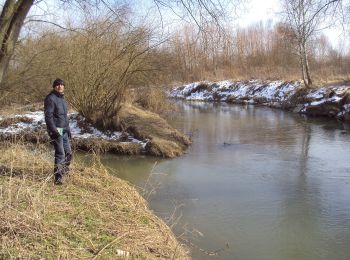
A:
x: 14, y: 12
x: 203, y: 12
x: 305, y: 18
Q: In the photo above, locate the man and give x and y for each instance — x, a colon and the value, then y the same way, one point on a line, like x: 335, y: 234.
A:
x: 56, y: 118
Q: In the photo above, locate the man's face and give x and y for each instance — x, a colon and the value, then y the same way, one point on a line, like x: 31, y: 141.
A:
x: 59, y: 88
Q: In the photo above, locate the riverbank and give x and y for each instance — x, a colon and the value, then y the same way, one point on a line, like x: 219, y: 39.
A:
x: 328, y: 101
x: 94, y: 215
x: 144, y: 133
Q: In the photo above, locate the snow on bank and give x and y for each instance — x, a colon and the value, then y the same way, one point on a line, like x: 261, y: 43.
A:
x: 332, y: 101
x: 35, y: 121
x: 253, y: 91
x: 30, y: 122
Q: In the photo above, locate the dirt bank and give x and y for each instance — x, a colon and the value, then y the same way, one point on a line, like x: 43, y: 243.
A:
x: 164, y: 140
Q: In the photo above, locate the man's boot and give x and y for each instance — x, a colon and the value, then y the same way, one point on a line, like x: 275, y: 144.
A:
x: 58, y: 171
x: 58, y: 180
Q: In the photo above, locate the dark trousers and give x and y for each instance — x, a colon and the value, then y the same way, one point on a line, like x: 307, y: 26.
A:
x: 63, y: 155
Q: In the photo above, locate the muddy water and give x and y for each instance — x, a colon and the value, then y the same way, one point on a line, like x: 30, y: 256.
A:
x: 257, y: 183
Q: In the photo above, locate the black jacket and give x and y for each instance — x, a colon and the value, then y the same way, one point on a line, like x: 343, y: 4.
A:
x: 56, y: 112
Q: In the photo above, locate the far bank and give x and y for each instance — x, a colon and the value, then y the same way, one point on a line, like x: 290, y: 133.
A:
x: 327, y: 101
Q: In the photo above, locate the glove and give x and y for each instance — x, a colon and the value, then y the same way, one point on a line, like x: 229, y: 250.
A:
x: 54, y: 135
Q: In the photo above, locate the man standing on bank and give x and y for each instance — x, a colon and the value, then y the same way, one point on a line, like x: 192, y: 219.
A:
x: 56, y: 118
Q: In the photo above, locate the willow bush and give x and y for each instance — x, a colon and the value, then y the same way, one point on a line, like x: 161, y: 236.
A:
x: 101, y: 62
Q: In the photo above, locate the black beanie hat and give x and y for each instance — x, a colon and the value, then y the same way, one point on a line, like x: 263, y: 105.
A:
x: 57, y: 82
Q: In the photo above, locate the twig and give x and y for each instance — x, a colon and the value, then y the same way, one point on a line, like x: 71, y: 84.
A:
x: 109, y: 244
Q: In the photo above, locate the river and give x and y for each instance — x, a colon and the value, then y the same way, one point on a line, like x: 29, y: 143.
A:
x: 257, y: 183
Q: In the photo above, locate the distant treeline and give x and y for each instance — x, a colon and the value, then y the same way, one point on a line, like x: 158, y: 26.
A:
x: 259, y: 51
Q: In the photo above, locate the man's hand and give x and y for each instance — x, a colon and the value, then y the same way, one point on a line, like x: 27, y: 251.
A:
x: 54, y: 135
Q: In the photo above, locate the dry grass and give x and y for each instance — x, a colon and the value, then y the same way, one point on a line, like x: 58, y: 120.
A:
x: 94, y: 215
x: 14, y: 109
x: 165, y: 140
x: 14, y: 120
x: 99, y: 145
x: 337, y: 81
x: 152, y: 99
x: 163, y: 148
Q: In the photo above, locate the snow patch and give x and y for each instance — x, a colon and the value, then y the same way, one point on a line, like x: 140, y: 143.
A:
x: 38, y: 122
x: 327, y: 100
x: 317, y: 94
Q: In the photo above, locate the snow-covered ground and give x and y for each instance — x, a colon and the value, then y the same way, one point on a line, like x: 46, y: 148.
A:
x: 34, y: 121
x: 272, y: 93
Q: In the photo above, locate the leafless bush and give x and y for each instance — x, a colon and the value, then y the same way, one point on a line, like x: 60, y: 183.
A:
x: 101, y: 62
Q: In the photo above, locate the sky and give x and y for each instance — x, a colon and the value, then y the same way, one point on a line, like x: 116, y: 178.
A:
x: 258, y: 10
x: 265, y: 10
x: 253, y: 12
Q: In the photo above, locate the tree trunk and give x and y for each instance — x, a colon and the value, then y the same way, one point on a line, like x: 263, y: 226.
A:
x: 301, y: 63
x: 307, y: 70
x: 11, y: 22
x: 304, y: 64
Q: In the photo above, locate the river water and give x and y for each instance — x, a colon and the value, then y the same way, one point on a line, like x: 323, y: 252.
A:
x: 257, y: 183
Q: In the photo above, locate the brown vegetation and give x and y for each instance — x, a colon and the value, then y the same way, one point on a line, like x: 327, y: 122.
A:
x: 260, y: 51
x: 94, y: 215
x: 165, y: 141
x: 13, y: 120
x: 104, y: 146
x: 153, y: 99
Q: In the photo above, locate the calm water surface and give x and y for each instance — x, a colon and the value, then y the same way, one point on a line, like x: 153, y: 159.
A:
x: 257, y: 184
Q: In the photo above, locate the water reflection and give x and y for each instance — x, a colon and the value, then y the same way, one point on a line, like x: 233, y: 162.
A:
x: 257, y: 183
